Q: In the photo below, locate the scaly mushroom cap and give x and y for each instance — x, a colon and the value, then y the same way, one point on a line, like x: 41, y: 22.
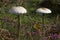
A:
x: 43, y: 10
x: 18, y: 10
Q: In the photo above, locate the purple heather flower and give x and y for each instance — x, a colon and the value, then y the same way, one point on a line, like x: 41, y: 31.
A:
x: 59, y: 36
x: 34, y: 33
x: 54, y: 36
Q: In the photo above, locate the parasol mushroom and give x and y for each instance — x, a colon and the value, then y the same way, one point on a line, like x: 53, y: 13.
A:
x: 43, y: 11
x: 18, y: 10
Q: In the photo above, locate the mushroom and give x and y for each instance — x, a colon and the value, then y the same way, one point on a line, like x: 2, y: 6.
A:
x: 43, y: 11
x: 18, y: 10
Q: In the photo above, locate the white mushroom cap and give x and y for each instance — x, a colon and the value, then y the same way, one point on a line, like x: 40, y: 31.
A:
x: 43, y: 10
x: 18, y: 10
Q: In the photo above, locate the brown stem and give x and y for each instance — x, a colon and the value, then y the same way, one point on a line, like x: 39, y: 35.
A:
x: 19, y: 27
x: 42, y: 26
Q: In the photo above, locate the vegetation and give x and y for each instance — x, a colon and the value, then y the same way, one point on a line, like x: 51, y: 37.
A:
x: 31, y: 23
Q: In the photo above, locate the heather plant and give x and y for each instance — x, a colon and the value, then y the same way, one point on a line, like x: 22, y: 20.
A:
x: 5, y: 35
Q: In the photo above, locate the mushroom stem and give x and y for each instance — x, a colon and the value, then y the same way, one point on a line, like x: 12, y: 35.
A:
x: 18, y: 27
x: 42, y: 21
x: 43, y: 26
